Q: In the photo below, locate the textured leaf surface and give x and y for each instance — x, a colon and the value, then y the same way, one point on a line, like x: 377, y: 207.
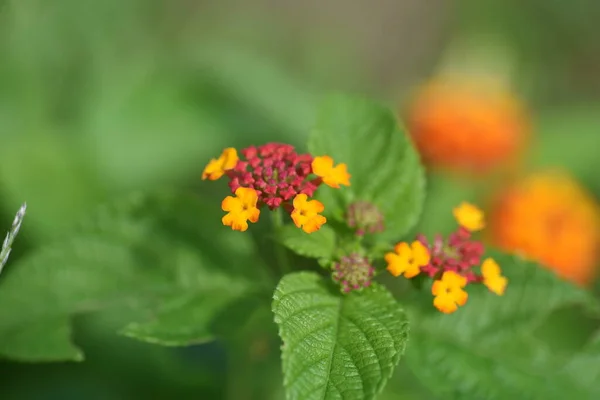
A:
x: 488, y: 349
x: 319, y: 244
x: 385, y: 167
x: 334, y: 346
x: 147, y: 256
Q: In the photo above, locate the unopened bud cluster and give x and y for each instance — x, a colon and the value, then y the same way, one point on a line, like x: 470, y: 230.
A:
x: 353, y: 272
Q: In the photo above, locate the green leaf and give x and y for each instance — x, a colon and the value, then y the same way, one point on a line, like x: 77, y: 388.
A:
x: 335, y: 346
x: 320, y: 244
x: 488, y: 349
x: 42, y: 340
x: 583, y: 368
x: 384, y: 165
x: 153, y: 258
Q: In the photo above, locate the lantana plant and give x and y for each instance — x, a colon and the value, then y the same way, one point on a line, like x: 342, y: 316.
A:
x: 313, y: 253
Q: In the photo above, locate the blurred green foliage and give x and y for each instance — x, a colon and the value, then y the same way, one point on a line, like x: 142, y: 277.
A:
x: 101, y: 98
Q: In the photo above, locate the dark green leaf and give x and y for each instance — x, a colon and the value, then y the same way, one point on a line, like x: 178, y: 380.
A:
x: 384, y: 165
x: 335, y: 346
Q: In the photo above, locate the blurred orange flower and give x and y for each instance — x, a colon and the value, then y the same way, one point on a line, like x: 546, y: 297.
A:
x: 467, y: 125
x: 550, y: 218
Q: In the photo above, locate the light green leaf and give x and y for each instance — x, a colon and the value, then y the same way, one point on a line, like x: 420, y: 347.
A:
x: 488, y: 349
x: 384, y: 165
x: 147, y: 257
x: 320, y: 244
x: 335, y: 346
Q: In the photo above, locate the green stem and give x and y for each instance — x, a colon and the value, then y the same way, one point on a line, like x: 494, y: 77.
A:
x: 280, y: 254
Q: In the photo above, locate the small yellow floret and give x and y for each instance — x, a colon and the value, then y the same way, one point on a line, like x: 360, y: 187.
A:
x: 407, y: 260
x: 241, y: 209
x: 217, y: 166
x: 469, y: 217
x: 492, y: 277
x: 449, y: 293
x: 306, y: 214
x: 331, y: 176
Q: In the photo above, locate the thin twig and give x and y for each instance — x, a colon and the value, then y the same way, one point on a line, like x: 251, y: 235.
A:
x: 11, y: 235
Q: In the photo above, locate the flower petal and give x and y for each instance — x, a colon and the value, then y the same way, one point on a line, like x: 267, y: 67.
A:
x: 490, y: 268
x: 420, y: 253
x: 460, y: 296
x: 445, y: 304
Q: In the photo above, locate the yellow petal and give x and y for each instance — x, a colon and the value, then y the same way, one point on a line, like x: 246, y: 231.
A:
x: 213, y: 170
x: 322, y: 166
x: 460, y: 297
x: 340, y: 175
x: 412, y: 271
x: 229, y: 158
x: 490, y: 268
x: 445, y: 304
x: 438, y: 288
x: 314, y: 224
x: 469, y: 216
x: 403, y: 249
x: 314, y: 206
x: 236, y: 221
x: 253, y: 214
x: 248, y: 196
x: 300, y: 201
x: 452, y: 279
x: 298, y: 218
x: 496, y: 284
x: 420, y: 253
x: 230, y: 203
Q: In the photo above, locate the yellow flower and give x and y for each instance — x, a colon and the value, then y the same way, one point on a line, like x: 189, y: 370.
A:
x: 449, y: 293
x: 469, y: 216
x: 492, y: 277
x: 216, y: 167
x: 306, y: 213
x: 331, y: 176
x: 407, y: 259
x: 240, y: 209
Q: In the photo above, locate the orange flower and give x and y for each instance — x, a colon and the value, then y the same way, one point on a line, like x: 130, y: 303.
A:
x: 467, y: 125
x: 216, y: 167
x: 332, y: 176
x: 306, y: 214
x: 549, y: 218
x: 241, y: 209
x: 449, y: 293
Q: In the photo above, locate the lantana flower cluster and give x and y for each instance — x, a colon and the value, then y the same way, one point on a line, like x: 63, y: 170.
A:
x: 453, y: 262
x: 274, y: 176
